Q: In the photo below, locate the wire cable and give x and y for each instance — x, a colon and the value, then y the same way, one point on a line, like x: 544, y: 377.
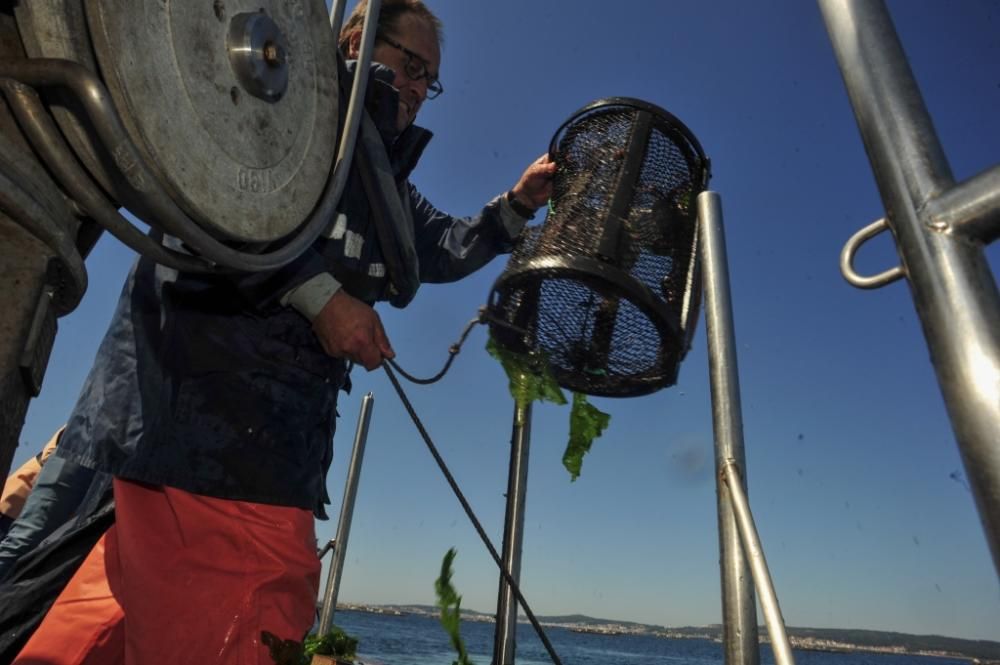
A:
x: 471, y: 515
x: 483, y: 317
x: 453, y: 351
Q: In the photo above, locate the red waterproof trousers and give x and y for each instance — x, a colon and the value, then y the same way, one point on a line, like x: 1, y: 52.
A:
x: 183, y: 578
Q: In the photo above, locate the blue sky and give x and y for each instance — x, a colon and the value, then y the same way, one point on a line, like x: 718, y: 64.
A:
x: 855, y: 480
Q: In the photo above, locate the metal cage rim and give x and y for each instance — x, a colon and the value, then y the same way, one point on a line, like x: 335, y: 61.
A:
x: 589, y: 268
x: 590, y: 271
x: 705, y: 163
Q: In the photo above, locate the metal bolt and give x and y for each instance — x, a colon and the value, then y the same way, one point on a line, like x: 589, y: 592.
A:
x: 258, y: 57
x: 937, y: 224
x: 234, y: 94
x: 274, y: 55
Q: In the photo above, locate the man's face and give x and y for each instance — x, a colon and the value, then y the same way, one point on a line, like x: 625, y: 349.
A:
x: 423, y: 55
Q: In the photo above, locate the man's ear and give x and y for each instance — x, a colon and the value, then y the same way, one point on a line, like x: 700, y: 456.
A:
x: 353, y: 45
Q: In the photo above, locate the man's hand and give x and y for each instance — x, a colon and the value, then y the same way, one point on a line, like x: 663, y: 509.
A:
x: 535, y: 186
x: 348, y: 328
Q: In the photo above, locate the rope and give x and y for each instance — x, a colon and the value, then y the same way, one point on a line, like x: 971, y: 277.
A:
x: 468, y: 509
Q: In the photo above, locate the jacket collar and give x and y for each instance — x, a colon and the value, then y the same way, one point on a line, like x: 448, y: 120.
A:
x: 382, y: 101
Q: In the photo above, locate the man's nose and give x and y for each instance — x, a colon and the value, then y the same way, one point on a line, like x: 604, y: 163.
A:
x: 420, y: 86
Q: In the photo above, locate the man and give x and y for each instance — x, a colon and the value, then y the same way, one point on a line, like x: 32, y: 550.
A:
x: 212, y: 399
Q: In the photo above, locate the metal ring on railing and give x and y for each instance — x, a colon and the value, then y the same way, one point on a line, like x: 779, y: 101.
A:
x: 851, y: 249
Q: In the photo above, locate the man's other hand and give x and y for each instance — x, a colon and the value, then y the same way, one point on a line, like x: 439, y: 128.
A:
x: 535, y: 186
x: 349, y: 328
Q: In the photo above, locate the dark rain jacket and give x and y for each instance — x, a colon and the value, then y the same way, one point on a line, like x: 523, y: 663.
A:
x: 208, y: 384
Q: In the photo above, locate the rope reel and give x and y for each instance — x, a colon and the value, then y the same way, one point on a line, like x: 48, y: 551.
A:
x: 232, y: 105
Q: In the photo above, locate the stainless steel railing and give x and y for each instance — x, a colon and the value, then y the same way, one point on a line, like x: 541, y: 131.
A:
x: 738, y: 538
x: 940, y: 228
x: 339, y: 543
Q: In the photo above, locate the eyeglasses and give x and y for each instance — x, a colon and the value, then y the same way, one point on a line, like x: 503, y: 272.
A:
x: 416, y: 68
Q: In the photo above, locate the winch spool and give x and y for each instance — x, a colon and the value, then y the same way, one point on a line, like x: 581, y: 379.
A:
x: 215, y: 121
x: 233, y: 104
x: 609, y: 287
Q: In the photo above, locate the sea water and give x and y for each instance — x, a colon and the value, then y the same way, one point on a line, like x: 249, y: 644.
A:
x: 420, y: 640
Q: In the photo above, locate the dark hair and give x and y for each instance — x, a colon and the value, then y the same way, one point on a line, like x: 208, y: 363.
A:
x: 388, y: 19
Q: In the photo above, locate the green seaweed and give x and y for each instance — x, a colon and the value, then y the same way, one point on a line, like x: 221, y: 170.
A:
x: 450, y: 604
x: 335, y: 643
x: 531, y: 380
x: 529, y: 377
x: 586, y: 423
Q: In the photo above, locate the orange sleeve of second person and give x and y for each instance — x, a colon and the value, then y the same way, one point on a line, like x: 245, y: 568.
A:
x: 19, y: 484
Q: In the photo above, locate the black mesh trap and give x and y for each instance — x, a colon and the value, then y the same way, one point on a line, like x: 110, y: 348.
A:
x: 609, y: 287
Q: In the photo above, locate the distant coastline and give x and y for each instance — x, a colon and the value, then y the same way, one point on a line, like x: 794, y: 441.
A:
x: 979, y: 652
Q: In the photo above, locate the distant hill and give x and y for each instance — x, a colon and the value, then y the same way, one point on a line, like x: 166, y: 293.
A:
x: 584, y: 620
x: 561, y: 619
x: 825, y: 639
x: 981, y: 649
x: 875, y: 639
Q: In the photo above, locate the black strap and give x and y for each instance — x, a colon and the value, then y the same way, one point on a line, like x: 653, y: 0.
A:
x: 380, y: 216
x: 518, y: 207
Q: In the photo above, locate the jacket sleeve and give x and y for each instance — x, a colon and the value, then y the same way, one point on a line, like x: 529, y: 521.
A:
x: 260, y: 292
x: 449, y: 248
x: 269, y: 289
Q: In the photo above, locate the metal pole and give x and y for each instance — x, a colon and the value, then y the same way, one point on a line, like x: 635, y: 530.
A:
x: 346, y: 513
x: 758, y: 564
x: 739, y: 611
x: 971, y: 207
x: 505, y: 634
x: 953, y: 289
x: 337, y: 17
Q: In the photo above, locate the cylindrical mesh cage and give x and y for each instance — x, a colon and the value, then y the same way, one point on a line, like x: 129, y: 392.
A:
x: 608, y: 288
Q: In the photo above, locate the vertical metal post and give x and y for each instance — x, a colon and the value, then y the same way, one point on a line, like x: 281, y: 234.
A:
x: 951, y: 283
x: 337, y: 17
x: 504, y: 638
x: 346, y: 514
x: 739, y: 611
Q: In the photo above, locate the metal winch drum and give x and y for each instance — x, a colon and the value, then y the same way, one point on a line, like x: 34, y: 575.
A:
x: 213, y: 121
x: 608, y: 288
x: 232, y: 104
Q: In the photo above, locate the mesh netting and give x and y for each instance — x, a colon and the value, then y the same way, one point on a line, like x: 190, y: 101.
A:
x: 608, y: 287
